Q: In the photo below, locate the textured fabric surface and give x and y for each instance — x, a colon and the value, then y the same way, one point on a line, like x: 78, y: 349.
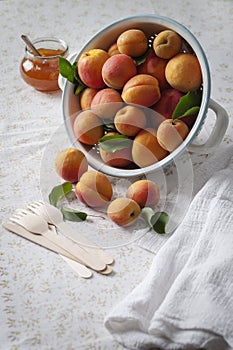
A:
x: 44, y: 305
x: 186, y: 300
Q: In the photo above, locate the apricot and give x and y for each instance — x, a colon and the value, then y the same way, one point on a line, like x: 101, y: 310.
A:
x: 117, y: 70
x: 146, y: 149
x: 89, y: 67
x: 132, y: 42
x: 113, y: 49
x: 142, y: 89
x: 154, y: 66
x: 94, y: 189
x: 120, y: 158
x: 183, y: 72
x: 123, y: 211
x: 86, y: 96
x: 167, y: 44
x: 129, y: 120
x: 88, y: 127
x: 71, y: 164
x: 171, y: 133
x: 168, y: 102
x: 106, y: 103
x: 145, y: 192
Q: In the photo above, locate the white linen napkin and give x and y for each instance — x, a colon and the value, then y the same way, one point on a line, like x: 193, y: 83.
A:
x: 186, y: 300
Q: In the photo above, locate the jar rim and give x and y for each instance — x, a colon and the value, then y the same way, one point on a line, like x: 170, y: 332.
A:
x: 48, y: 39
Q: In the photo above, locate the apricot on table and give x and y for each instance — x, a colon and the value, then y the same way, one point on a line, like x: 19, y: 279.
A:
x: 71, y: 164
x: 106, y: 103
x: 117, y: 70
x: 88, y: 127
x: 146, y: 149
x: 129, y: 120
x: 142, y: 89
x: 123, y: 211
x: 89, y: 67
x: 94, y: 189
x: 167, y: 44
x: 183, y: 72
x: 132, y: 42
x: 145, y: 192
x: 120, y: 158
x: 171, y: 133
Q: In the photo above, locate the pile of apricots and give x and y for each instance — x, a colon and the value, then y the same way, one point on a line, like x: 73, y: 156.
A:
x: 95, y: 190
x: 120, y: 89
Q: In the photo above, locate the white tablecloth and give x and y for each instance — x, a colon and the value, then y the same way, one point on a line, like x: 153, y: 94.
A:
x: 43, y: 303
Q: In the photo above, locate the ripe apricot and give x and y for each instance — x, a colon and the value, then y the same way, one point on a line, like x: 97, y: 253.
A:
x: 167, y: 44
x: 146, y: 149
x: 171, y: 133
x: 142, y: 89
x: 106, y: 103
x: 145, y: 192
x: 129, y: 120
x: 132, y: 42
x: 183, y: 72
x: 123, y: 211
x: 89, y: 67
x: 94, y: 189
x: 86, y: 96
x: 88, y: 127
x: 117, y: 70
x: 71, y: 164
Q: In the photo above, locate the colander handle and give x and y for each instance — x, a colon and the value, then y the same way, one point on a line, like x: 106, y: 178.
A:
x: 61, y: 79
x: 218, y: 132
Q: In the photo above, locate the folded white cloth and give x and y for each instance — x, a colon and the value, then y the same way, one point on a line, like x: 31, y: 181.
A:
x: 186, y: 300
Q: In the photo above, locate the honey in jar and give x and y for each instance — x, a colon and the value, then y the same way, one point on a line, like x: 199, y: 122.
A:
x: 41, y: 72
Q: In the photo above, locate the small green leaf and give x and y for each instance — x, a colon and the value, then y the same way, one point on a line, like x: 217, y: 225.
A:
x: 191, y: 111
x: 156, y: 220
x: 186, y: 103
x: 109, y: 127
x: 66, y: 69
x: 69, y: 71
x: 78, y: 88
x: 160, y: 220
x: 113, y: 143
x: 58, y: 192
x: 140, y: 60
x: 73, y: 215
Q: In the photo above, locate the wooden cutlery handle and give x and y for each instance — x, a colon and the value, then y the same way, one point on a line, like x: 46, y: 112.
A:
x: 82, y: 270
x: 89, y: 246
x: 85, y: 257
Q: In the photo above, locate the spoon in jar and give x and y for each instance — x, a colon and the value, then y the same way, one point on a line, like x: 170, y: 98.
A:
x: 30, y: 45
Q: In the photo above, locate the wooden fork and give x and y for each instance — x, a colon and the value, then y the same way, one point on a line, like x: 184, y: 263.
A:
x: 54, y: 216
x: 37, y: 225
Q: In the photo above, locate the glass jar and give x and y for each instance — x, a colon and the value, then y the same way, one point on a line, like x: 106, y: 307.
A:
x: 41, y: 72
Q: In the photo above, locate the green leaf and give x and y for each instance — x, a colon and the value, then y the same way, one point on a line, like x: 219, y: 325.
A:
x: 73, y: 215
x: 69, y: 71
x: 191, y: 111
x: 109, y: 127
x: 66, y: 69
x: 78, y: 88
x: 58, y: 192
x: 186, y: 103
x: 156, y: 220
x: 140, y: 60
x: 160, y: 220
x: 113, y: 143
